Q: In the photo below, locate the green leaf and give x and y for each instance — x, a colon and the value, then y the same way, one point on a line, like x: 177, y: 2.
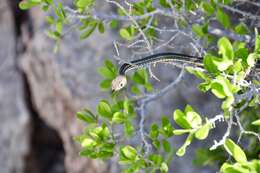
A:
x: 128, y: 107
x: 104, y: 154
x: 106, y: 72
x: 242, y: 53
x: 45, y: 8
x: 256, y: 122
x: 157, y: 159
x: 217, y: 90
x: 203, y: 132
x: 62, y: 15
x: 239, y: 45
x: 181, y: 151
x: 54, y: 35
x: 35, y: 1
x: 241, y: 29
x: 101, y: 27
x: 166, y: 127
x: 237, y: 67
x: 135, y: 90
x: 87, y: 153
x: 226, y: 2
x: 223, y: 18
x: 180, y: 118
x: 88, y: 143
x: 124, y: 33
x: 118, y: 106
x: 50, y: 20
x: 86, y: 116
x: 129, y: 128
x: 129, y: 152
x: 198, y: 73
x: 192, y: 117
x: 108, y: 147
x: 257, y: 42
x: 204, y: 86
x: 251, y: 59
x: 209, y: 64
x: 104, y: 109
x: 148, y: 87
x: 59, y: 11
x: 154, y: 131
x: 100, y: 133
x: 85, y: 23
x: 197, y: 29
x: 181, y: 131
x: 113, y: 24
x: 111, y: 67
x: 140, y: 77
x: 166, y: 146
x: 105, y: 84
x: 235, y: 168
x: 25, y: 5
x: 225, y: 48
x: 228, y: 168
x: 84, y: 3
x: 89, y: 31
x: 222, y: 64
x: 221, y: 87
x: 228, y: 102
x: 48, y: 1
x: 208, y: 8
x: 164, y: 3
x: 164, y: 168
x: 104, y: 133
x: 118, y: 117
x: 95, y: 133
x: 59, y: 26
x: 235, y: 151
x: 156, y: 143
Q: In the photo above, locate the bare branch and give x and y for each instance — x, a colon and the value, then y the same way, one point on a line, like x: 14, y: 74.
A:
x: 226, y: 135
x: 244, y: 14
x: 150, y: 97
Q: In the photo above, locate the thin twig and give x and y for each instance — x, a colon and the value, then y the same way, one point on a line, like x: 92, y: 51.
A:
x: 150, y: 97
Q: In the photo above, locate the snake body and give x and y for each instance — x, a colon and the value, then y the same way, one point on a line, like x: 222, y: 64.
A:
x: 160, y: 57
x: 120, y: 81
x: 166, y: 57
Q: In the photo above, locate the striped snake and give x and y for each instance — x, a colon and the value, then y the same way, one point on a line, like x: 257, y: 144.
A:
x: 120, y: 81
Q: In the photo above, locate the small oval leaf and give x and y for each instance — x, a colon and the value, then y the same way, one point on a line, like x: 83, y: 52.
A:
x: 235, y: 151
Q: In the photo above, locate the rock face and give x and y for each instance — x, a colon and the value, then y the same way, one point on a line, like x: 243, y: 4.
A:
x: 54, y: 101
x: 62, y: 84
x: 37, y: 110
x: 14, y: 115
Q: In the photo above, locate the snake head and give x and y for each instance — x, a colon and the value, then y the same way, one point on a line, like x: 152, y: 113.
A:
x: 118, y: 83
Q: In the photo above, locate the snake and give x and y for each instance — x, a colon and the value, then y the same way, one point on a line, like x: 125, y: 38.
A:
x: 120, y: 81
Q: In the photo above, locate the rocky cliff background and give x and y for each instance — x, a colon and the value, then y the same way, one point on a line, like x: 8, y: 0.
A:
x: 40, y: 92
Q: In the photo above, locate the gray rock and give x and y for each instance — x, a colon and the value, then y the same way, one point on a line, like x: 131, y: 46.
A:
x: 62, y: 84
x: 14, y: 117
